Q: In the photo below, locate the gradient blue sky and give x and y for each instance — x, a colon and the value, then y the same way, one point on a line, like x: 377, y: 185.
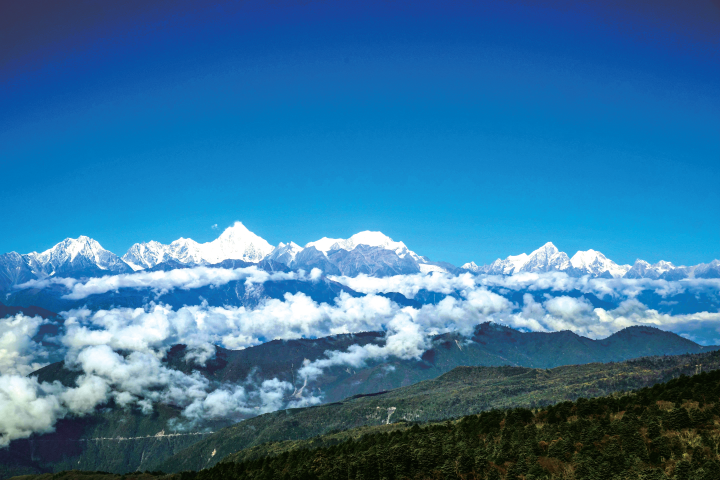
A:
x: 470, y: 131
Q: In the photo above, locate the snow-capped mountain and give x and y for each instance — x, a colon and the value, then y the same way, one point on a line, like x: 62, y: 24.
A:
x: 81, y: 255
x: 706, y: 270
x: 548, y: 259
x: 545, y: 259
x: 471, y: 267
x: 145, y: 255
x: 370, y: 253
x: 235, y: 243
x: 78, y: 257
x: 285, y: 253
x: 368, y: 238
x: 667, y: 271
x: 594, y: 263
x: 14, y: 270
x: 642, y: 269
x: 510, y: 265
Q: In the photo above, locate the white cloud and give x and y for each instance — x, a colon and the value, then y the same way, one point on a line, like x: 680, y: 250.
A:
x: 409, y: 285
x: 162, y: 282
x: 120, y: 352
x: 445, y: 283
x: 19, y: 354
x: 26, y: 408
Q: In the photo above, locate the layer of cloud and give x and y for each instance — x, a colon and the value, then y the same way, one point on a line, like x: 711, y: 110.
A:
x: 163, y: 282
x: 119, y: 352
x: 410, y: 285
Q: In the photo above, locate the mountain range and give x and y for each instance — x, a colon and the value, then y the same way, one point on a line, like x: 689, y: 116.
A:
x: 368, y: 253
x: 593, y: 263
x: 514, y: 373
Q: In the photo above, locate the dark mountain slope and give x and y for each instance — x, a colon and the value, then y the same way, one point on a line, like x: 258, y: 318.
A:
x: 29, y: 311
x: 235, y: 293
x: 671, y: 430
x: 463, y: 391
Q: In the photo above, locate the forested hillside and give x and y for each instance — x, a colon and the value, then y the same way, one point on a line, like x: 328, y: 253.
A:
x: 671, y: 430
x: 463, y: 391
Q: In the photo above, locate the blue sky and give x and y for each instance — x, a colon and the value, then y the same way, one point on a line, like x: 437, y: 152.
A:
x: 470, y: 132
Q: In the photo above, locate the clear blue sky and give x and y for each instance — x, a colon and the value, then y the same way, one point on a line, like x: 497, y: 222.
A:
x: 471, y: 131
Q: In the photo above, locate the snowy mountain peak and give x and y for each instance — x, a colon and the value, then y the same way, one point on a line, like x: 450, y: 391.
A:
x: 237, y: 232
x: 378, y: 239
x: 285, y: 253
x: 80, y: 253
x: 546, y: 258
x: 595, y: 263
x: 69, y: 249
x: 548, y: 249
x: 471, y: 266
x: 517, y: 261
x: 643, y: 269
x: 663, y: 265
x: 371, y: 239
x: 145, y: 255
x: 235, y: 243
x: 326, y: 244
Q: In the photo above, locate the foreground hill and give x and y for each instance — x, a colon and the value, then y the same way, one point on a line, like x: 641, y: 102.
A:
x: 671, y: 430
x: 668, y: 431
x: 463, y: 391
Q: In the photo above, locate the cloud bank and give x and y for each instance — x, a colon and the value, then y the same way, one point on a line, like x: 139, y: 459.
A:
x: 410, y: 285
x: 119, y: 353
x: 162, y: 282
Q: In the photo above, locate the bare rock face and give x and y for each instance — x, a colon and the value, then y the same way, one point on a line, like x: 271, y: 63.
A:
x: 14, y: 270
x: 311, y: 258
x: 372, y: 261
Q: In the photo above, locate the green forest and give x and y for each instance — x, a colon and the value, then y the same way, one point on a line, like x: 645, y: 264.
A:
x: 668, y: 431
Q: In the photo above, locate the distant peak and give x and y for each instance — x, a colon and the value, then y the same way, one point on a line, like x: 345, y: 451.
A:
x: 548, y: 249
x: 236, y: 228
x: 583, y: 256
x: 374, y: 239
x: 75, y: 245
x: 183, y: 241
x: 585, y: 253
x: 663, y: 263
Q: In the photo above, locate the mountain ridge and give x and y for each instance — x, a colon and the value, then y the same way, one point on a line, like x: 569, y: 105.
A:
x: 365, y: 253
